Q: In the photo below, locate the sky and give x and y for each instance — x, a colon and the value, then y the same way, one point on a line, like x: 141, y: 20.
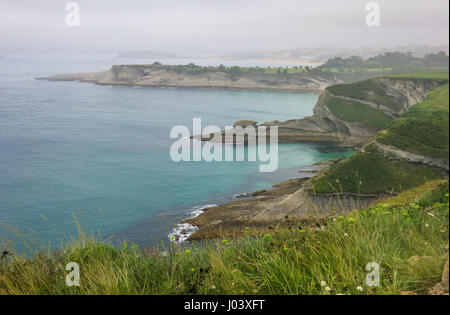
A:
x: 218, y: 26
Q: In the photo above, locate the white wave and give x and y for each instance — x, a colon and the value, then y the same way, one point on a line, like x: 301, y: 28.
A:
x: 182, y: 231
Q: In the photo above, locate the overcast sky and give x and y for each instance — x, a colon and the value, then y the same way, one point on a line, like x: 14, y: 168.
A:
x: 218, y: 26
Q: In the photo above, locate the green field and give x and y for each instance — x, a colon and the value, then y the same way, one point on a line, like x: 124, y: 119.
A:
x: 354, y: 70
x: 395, y: 62
x: 440, y: 76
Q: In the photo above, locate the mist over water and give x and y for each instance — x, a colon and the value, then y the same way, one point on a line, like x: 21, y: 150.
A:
x: 102, y: 153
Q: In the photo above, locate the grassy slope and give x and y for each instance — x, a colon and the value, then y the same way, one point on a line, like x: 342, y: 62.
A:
x: 369, y: 172
x: 441, y: 77
x: 357, y: 112
x: 367, y: 90
x: 424, y: 129
x: 284, y: 262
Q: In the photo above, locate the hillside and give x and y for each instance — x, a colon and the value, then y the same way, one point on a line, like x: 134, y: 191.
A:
x: 395, y: 61
x: 412, y: 149
x: 353, y: 113
x: 348, y: 114
x: 424, y: 129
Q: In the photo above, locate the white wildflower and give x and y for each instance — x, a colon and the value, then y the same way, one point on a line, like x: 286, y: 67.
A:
x: 359, y: 289
x: 323, y: 283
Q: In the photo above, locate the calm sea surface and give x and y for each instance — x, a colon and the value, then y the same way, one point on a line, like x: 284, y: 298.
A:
x: 102, y: 153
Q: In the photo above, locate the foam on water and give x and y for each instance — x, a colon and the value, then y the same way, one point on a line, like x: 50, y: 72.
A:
x: 182, y: 231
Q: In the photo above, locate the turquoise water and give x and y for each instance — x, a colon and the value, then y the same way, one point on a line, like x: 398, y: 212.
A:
x: 102, y: 153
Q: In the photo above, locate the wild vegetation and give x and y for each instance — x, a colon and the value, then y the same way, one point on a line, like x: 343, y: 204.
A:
x: 354, y: 111
x: 406, y: 239
x: 391, y: 61
x: 346, y: 69
x: 424, y: 129
x: 370, y: 172
x: 368, y: 90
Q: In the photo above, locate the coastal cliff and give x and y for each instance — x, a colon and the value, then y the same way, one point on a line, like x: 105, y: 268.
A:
x: 400, y: 124
x: 156, y: 75
x: 352, y: 118
x: 349, y: 114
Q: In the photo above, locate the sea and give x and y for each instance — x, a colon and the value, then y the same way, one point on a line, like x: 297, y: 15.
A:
x: 83, y: 158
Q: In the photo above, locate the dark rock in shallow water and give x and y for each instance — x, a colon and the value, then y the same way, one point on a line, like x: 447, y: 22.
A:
x: 244, y: 123
x: 243, y: 195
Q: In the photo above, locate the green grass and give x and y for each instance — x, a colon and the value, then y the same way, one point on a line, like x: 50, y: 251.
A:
x: 367, y: 90
x: 354, y: 111
x: 440, y: 76
x: 354, y: 70
x: 424, y: 129
x: 369, y: 172
x: 294, y: 261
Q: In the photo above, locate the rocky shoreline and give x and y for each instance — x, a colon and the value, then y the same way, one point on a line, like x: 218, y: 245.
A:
x: 185, y: 230
x: 263, y: 210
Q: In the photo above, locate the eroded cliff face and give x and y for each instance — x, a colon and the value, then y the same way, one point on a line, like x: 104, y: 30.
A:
x: 406, y: 92
x: 324, y: 126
